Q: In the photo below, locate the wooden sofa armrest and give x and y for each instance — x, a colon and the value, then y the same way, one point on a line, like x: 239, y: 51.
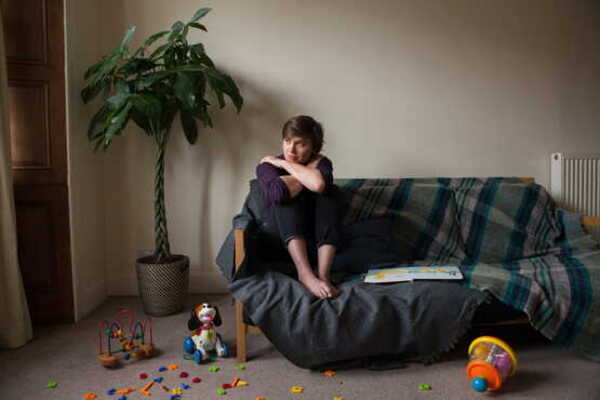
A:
x: 590, y: 221
x: 241, y: 328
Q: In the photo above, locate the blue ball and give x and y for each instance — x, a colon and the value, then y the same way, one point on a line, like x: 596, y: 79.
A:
x: 479, y: 384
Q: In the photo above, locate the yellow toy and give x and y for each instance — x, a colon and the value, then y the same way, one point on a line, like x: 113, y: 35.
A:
x: 492, y: 361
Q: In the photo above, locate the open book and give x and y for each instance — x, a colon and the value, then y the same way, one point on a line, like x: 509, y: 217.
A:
x: 410, y: 273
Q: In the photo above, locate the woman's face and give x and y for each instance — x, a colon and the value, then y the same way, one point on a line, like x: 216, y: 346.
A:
x: 297, y: 149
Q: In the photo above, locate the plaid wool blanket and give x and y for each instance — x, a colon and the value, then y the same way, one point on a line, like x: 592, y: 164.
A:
x: 507, y: 237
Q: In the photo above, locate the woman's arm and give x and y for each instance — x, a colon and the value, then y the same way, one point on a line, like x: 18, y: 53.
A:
x: 306, y: 175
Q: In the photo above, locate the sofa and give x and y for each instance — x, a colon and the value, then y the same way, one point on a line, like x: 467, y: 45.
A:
x: 517, y: 251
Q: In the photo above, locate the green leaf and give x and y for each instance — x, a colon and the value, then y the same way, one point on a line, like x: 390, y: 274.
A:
x: 168, y: 115
x: 189, y: 126
x: 141, y: 120
x: 198, y: 53
x: 198, y: 26
x: 136, y: 66
x: 116, y: 122
x: 176, y: 30
x: 154, y: 38
x: 217, y: 85
x: 117, y: 101
x: 150, y: 79
x: 122, y: 87
x: 148, y: 105
x: 184, y: 89
x: 90, y: 92
x: 126, y: 38
x: 200, y: 13
x: 106, y: 69
x: 94, y: 68
x: 97, y: 124
x: 159, y: 51
x: 202, y: 115
x: 233, y: 92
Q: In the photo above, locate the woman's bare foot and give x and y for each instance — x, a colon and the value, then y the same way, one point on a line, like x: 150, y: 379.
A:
x: 334, y: 292
x: 316, y: 286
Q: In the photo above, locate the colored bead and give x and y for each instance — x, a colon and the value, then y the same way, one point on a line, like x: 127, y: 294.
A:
x: 479, y: 384
x: 183, y: 375
x: 196, y: 380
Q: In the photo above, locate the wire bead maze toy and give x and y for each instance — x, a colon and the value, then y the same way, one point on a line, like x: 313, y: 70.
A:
x: 130, y: 336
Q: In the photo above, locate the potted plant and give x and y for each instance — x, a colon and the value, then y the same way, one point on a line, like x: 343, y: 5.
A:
x: 151, y: 86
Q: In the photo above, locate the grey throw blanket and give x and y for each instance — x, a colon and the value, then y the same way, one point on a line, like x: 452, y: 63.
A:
x: 366, y: 325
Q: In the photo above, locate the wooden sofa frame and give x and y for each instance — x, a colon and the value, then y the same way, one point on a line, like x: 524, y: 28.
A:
x: 242, y: 329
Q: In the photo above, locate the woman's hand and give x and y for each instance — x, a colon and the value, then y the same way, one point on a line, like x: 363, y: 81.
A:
x: 273, y: 161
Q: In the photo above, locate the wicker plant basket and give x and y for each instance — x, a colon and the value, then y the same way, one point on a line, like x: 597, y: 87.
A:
x: 163, y: 287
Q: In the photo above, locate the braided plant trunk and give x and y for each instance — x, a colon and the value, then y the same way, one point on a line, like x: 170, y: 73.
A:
x: 161, y: 235
x: 163, y: 278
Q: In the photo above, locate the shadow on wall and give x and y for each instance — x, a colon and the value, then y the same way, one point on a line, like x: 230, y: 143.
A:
x: 256, y: 127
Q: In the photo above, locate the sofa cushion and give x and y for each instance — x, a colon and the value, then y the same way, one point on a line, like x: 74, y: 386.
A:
x: 365, y: 243
x: 423, y: 215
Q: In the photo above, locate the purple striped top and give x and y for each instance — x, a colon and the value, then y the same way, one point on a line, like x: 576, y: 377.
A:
x: 275, y: 190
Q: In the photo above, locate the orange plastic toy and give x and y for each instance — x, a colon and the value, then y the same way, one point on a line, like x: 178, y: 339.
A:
x: 492, y: 361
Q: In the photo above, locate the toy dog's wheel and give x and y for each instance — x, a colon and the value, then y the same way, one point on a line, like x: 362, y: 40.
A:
x: 225, y: 351
x: 188, y: 345
x: 200, y: 356
x: 108, y: 361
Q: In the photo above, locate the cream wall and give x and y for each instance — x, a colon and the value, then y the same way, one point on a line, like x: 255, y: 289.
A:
x: 86, y: 169
x: 403, y: 88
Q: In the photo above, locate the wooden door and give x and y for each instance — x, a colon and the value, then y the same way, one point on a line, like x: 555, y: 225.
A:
x: 34, y: 37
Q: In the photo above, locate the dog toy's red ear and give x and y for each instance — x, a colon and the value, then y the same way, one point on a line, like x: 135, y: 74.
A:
x: 193, y: 322
x: 217, y: 321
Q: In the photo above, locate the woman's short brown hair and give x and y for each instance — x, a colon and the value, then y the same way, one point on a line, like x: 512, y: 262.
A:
x: 306, y: 127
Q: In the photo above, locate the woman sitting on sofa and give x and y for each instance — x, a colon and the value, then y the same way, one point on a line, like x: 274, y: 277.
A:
x: 300, y: 211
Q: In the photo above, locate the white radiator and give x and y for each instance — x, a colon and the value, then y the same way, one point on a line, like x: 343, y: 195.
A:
x: 575, y: 184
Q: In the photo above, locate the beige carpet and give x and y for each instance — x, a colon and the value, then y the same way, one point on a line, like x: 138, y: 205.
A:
x: 67, y: 354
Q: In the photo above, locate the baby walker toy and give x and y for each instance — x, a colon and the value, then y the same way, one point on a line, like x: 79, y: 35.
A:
x: 492, y: 361
x: 131, y: 339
